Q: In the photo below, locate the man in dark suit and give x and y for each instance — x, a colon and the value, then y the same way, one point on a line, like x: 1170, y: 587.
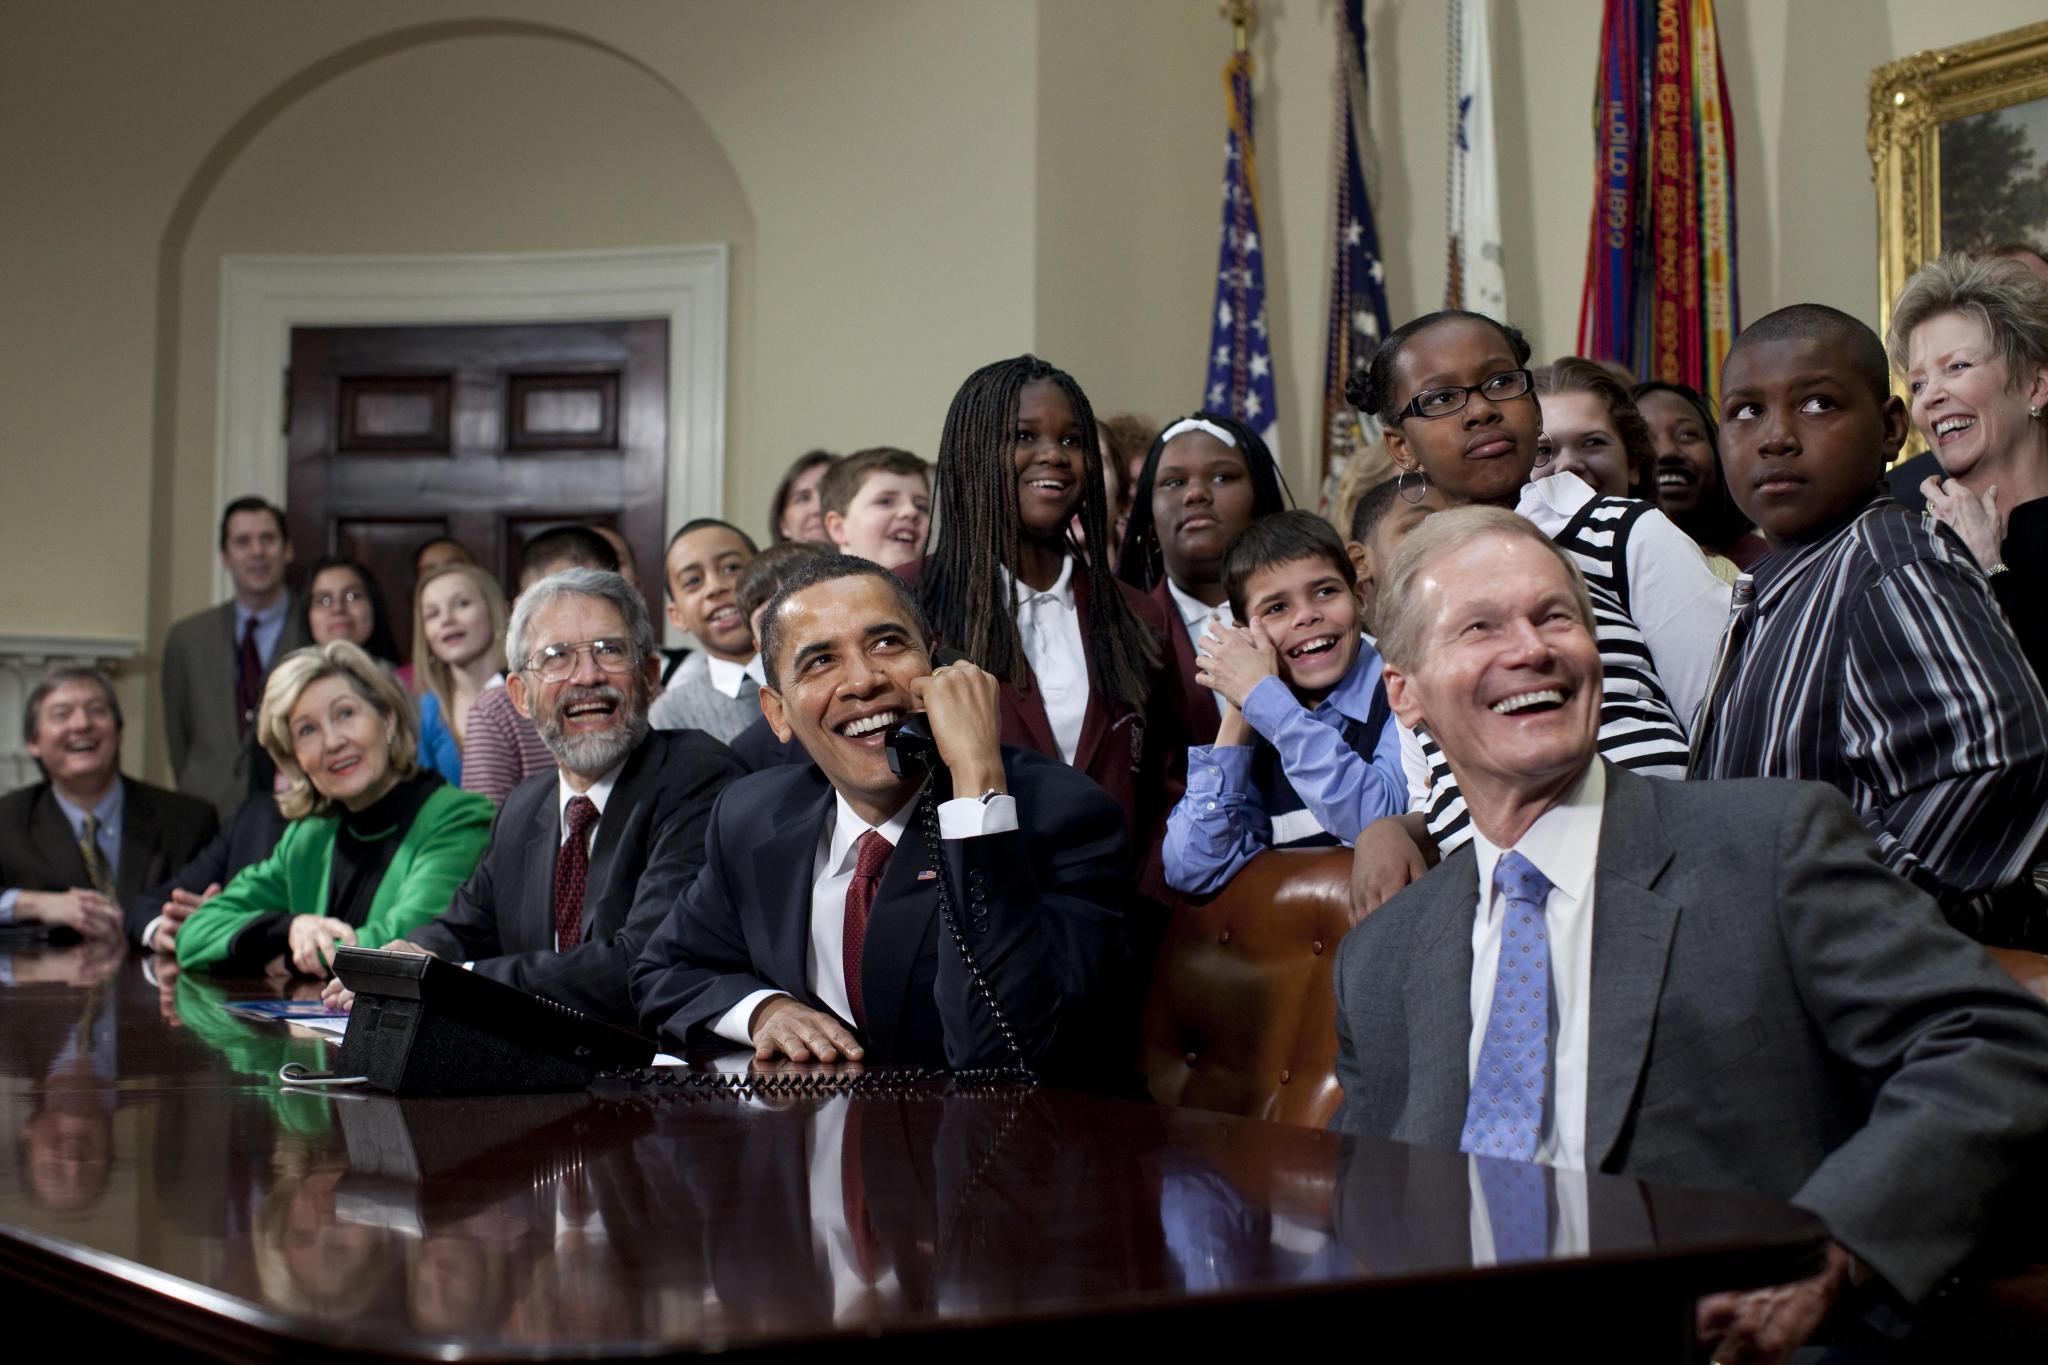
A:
x: 1757, y: 1004
x: 586, y: 860
x: 215, y: 661
x: 74, y: 844
x: 153, y: 916
x: 815, y: 929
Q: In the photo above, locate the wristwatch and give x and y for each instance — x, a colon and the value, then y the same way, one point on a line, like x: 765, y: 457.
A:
x: 991, y: 794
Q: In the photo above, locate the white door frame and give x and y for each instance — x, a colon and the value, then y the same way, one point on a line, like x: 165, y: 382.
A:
x: 263, y: 297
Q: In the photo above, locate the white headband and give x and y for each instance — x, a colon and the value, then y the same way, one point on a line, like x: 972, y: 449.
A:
x: 1188, y: 424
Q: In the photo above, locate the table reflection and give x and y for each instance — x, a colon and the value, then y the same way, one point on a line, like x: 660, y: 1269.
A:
x: 153, y: 1129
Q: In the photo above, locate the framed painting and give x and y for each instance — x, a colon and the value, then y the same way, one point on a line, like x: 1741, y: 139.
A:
x: 1959, y: 146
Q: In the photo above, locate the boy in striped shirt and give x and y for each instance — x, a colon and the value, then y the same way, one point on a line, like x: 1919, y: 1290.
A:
x: 1866, y: 651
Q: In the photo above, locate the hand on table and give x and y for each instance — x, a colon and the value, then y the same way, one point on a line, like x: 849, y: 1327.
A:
x: 1764, y: 1326
x: 175, y: 912
x: 313, y: 939
x: 785, y: 1027
x: 80, y: 909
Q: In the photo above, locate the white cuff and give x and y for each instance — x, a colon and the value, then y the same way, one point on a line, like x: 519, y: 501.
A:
x: 149, y: 933
x: 969, y: 817
x: 732, y: 1025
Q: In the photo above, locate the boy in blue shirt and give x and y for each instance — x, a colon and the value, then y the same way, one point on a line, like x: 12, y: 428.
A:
x: 1307, y: 752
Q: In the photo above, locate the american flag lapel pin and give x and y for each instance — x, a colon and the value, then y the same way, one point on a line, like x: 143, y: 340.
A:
x: 928, y: 875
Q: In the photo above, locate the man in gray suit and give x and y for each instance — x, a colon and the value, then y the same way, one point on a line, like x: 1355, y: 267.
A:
x: 215, y: 661
x: 1757, y: 1004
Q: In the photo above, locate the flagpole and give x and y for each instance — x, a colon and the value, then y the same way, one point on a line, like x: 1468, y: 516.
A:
x: 1239, y: 13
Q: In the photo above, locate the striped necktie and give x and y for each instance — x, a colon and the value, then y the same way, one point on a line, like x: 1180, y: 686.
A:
x: 101, y: 875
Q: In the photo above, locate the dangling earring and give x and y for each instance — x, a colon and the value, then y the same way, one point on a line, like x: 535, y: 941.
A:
x: 2035, y: 412
x: 1401, y: 485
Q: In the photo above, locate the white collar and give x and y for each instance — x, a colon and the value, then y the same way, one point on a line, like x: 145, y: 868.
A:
x: 600, y: 791
x: 1061, y: 591
x: 1563, y: 844
x: 1193, y: 610
x: 726, y: 675
x: 847, y: 827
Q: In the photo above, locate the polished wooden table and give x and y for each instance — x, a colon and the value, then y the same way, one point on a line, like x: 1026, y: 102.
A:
x: 167, y: 1194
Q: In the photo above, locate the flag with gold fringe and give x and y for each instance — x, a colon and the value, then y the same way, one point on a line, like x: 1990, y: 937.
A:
x: 1660, y: 294
x: 1358, y: 296
x: 1240, y: 379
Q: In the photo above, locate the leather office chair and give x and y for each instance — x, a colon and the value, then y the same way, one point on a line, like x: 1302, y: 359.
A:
x: 1241, y: 1016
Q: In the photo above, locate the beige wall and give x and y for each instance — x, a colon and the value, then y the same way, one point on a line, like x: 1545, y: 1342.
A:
x: 911, y: 188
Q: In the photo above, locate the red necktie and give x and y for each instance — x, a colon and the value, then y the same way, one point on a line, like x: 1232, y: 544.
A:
x: 572, y: 869
x: 860, y: 898
x: 248, y: 681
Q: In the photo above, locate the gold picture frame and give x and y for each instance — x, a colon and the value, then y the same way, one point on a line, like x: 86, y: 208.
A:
x: 1910, y: 101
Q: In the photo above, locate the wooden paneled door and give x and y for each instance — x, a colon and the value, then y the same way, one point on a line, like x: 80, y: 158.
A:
x: 489, y: 434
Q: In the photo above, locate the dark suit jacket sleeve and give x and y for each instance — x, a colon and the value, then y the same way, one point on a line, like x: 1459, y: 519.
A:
x: 592, y: 976
x: 696, y: 965
x: 1960, y: 1050
x: 247, y: 839
x: 1040, y: 908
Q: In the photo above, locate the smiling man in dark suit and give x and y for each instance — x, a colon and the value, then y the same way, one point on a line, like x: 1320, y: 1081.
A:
x: 1711, y: 984
x: 586, y: 860
x: 74, y: 844
x: 815, y: 929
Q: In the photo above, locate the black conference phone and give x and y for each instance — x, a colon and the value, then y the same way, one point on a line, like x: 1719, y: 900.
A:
x: 421, y: 1025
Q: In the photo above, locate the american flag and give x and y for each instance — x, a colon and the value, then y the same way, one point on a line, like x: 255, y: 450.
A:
x: 1240, y: 353
x: 1358, y: 295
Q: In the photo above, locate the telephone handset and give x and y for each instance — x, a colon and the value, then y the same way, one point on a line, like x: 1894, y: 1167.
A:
x: 912, y: 749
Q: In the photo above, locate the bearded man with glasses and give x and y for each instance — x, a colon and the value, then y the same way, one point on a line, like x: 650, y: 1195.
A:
x: 584, y: 862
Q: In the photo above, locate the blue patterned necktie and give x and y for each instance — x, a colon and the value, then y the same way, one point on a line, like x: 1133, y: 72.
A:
x: 1511, y: 1085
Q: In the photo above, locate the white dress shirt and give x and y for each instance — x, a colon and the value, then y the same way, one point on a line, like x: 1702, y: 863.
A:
x: 727, y: 676
x: 963, y: 817
x: 1564, y: 845
x: 1050, y: 624
x: 1196, y: 616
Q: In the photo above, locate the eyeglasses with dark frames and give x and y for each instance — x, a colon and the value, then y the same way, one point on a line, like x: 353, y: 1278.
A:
x: 1442, y: 402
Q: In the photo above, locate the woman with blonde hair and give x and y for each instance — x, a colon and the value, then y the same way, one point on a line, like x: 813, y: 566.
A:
x: 376, y: 847
x: 458, y: 653
x: 1970, y: 335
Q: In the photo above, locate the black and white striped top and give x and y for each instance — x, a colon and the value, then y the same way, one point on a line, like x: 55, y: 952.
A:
x: 1876, y: 661
x: 1639, y: 726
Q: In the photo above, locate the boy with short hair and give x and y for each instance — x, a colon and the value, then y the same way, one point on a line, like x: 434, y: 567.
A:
x: 877, y: 504
x: 715, y: 688
x: 1865, y: 651
x: 1307, y: 752
x: 1380, y: 520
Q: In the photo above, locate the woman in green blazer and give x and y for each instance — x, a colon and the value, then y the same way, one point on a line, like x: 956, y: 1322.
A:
x: 376, y: 847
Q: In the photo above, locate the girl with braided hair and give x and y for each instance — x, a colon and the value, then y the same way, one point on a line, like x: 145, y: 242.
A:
x: 1012, y: 587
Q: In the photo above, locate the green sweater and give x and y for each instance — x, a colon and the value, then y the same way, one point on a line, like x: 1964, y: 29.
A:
x: 447, y: 838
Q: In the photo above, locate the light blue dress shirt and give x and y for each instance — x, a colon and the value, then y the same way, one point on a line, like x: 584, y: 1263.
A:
x: 1220, y: 824
x: 109, y: 812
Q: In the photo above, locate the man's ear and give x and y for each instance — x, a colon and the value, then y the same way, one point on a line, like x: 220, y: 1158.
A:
x: 1404, y: 699
x: 515, y: 688
x: 288, y: 550
x: 1361, y: 562
x: 675, y: 616
x: 835, y: 529
x: 771, y: 709
x: 1896, y: 426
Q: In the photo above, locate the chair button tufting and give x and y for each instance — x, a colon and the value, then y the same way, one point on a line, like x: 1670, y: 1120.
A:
x: 1319, y: 947
x: 1223, y: 937
x: 1189, y: 1059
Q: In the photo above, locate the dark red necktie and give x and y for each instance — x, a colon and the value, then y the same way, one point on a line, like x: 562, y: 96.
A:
x: 248, y: 681
x: 860, y: 898
x: 572, y: 870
